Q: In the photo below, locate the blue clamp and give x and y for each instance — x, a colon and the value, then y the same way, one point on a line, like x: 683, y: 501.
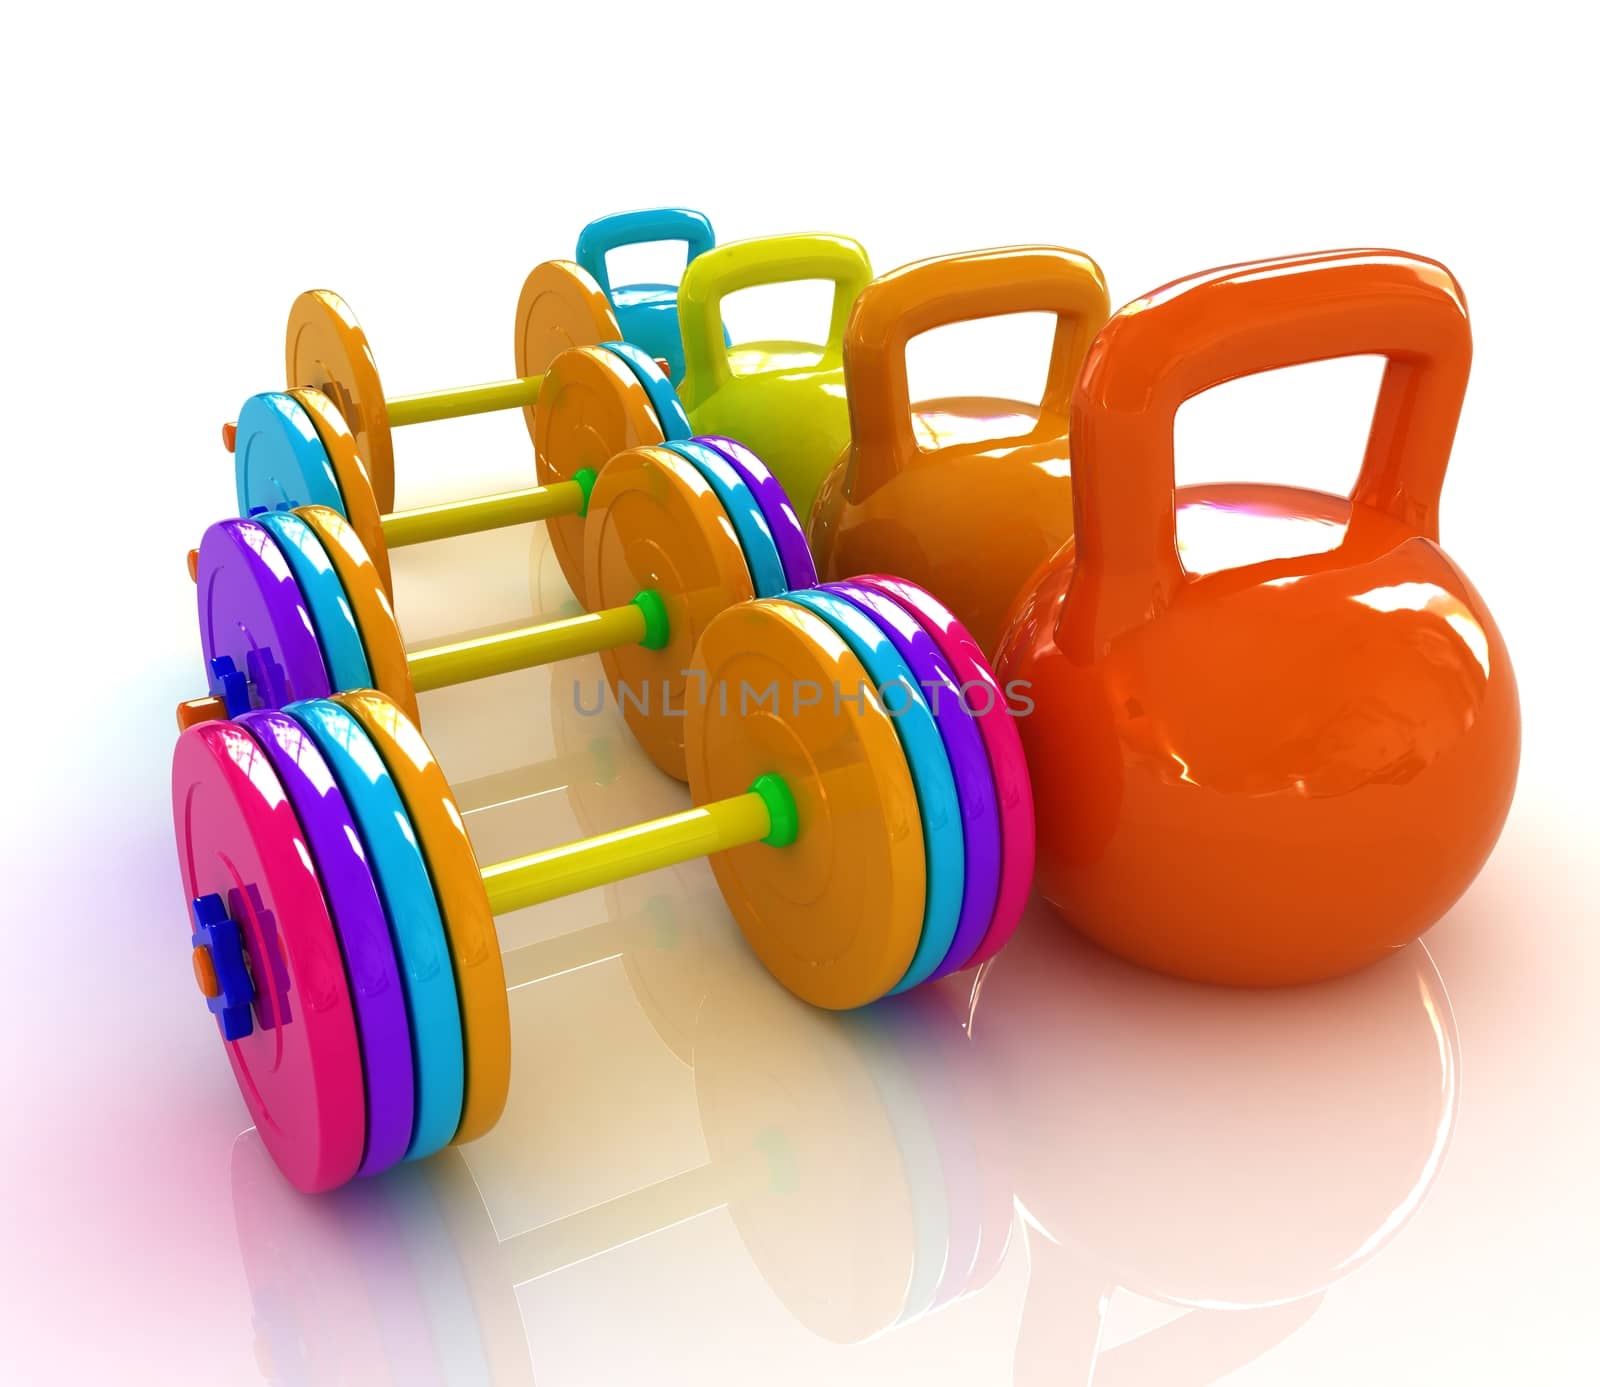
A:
x: 229, y: 683
x: 218, y: 936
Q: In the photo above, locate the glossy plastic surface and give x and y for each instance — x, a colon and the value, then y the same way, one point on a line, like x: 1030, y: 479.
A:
x: 669, y: 409
x: 966, y: 497
x: 836, y: 917
x: 782, y: 522
x: 592, y: 408
x: 458, y: 887
x: 409, y: 904
x: 792, y: 412
x: 560, y: 307
x: 1293, y: 703
x: 299, y: 1069
x: 655, y: 522
x: 969, y: 764
x: 372, y: 970
x: 324, y: 597
x: 278, y: 459
x: 990, y: 708
x: 253, y: 613
x: 350, y: 472
x: 325, y: 348
x: 369, y: 600
x: 647, y: 314
x: 743, y: 509
x: 892, y: 683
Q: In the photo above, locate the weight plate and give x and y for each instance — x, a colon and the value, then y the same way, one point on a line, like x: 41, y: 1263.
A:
x: 669, y: 409
x: 655, y: 522
x: 253, y: 614
x: 324, y: 597
x: 787, y: 531
x: 325, y: 348
x: 760, y: 553
x: 930, y: 771
x: 371, y: 969
x: 969, y: 764
x: 299, y: 1069
x: 794, y: 1122
x: 560, y: 307
x: 458, y: 885
x: 590, y: 409
x: 990, y: 710
x: 391, y: 848
x: 360, y: 505
x: 837, y: 914
x: 278, y: 458
x: 369, y: 600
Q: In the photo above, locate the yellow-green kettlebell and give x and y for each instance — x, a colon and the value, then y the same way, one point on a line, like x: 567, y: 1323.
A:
x: 785, y: 400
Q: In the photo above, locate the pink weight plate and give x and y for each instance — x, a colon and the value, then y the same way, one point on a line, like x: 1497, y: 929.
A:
x: 299, y: 1068
x: 983, y: 697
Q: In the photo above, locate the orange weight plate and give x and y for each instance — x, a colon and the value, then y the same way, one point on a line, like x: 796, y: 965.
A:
x: 325, y: 348
x: 355, y: 485
x: 369, y: 601
x: 591, y: 408
x: 835, y: 916
x: 458, y: 884
x: 561, y: 306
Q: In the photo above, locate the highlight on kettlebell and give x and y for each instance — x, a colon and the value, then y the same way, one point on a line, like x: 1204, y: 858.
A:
x: 342, y: 930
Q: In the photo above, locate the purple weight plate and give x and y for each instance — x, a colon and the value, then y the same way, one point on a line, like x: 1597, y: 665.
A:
x: 253, y: 613
x: 969, y: 764
x: 382, y: 1025
x: 787, y: 531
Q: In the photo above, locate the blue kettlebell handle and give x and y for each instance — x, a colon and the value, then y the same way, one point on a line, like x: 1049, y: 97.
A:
x: 606, y: 234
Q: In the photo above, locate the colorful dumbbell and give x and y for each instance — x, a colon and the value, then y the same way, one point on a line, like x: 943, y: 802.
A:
x: 343, y: 930
x: 1295, y: 702
x: 646, y: 313
x: 967, y: 496
x: 292, y: 606
x: 785, y: 399
x: 327, y: 440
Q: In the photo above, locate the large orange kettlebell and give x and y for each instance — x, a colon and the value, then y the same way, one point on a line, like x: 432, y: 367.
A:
x: 970, y: 494
x: 1275, y: 732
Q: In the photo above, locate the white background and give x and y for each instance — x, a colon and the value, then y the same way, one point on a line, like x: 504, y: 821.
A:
x: 173, y: 175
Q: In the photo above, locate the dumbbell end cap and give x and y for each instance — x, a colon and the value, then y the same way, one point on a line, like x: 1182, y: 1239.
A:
x: 781, y: 809
x: 194, y: 711
x: 230, y: 435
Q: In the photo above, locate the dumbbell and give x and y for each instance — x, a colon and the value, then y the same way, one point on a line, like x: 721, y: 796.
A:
x: 966, y: 496
x: 785, y: 399
x: 333, y: 815
x: 291, y: 605
x: 327, y: 440
x: 646, y: 313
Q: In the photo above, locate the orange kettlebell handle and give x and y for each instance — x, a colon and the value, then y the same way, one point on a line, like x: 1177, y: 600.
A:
x: 1197, y: 333
x: 952, y: 289
x: 735, y: 265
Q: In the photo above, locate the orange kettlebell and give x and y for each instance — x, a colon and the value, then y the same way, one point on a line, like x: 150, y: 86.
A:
x: 968, y: 496
x: 1275, y: 732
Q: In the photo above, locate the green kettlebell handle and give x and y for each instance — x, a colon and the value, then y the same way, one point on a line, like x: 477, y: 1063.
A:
x: 725, y: 270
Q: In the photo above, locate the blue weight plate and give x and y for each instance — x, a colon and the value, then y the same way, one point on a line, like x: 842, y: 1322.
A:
x: 930, y: 772
x: 749, y: 521
x: 787, y: 531
x: 279, y: 460
x: 337, y: 634
x: 401, y: 876
x: 669, y: 409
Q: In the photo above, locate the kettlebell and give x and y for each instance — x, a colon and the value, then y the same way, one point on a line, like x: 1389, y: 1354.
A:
x: 783, y: 399
x: 647, y: 314
x: 971, y: 494
x: 1275, y: 732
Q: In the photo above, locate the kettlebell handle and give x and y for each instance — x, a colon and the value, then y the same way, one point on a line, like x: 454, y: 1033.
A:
x: 744, y: 265
x: 1237, y: 321
x: 952, y: 289
x: 606, y: 234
